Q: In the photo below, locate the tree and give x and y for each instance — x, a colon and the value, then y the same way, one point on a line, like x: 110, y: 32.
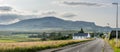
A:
x: 101, y: 34
x: 44, y: 36
x: 81, y: 31
x: 52, y: 35
x: 59, y: 34
x: 70, y: 36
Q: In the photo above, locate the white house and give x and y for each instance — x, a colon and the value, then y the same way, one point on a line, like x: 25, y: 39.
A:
x: 79, y: 36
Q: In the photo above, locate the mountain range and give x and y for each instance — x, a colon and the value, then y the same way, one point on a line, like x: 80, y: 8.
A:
x: 53, y: 23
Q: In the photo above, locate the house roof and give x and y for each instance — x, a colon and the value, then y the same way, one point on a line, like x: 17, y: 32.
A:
x: 80, y: 34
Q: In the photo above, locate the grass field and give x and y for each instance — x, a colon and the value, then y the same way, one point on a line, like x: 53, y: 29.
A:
x: 113, y: 44
x: 19, y: 39
x: 34, y: 46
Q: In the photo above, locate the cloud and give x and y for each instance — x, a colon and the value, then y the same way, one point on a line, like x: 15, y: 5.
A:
x: 49, y: 13
x: 8, y: 18
x: 5, y: 8
x: 11, y: 15
x: 69, y: 15
x: 80, y: 3
x: 58, y: 14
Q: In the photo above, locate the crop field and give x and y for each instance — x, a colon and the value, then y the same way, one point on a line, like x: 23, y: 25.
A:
x: 34, y: 46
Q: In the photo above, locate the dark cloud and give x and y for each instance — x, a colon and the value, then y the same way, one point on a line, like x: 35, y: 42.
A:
x: 5, y: 8
x: 69, y: 15
x: 81, y: 3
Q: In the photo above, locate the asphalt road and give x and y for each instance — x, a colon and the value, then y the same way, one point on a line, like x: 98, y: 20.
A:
x: 98, y: 45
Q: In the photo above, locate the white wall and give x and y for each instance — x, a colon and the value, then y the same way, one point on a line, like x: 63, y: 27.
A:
x: 78, y: 37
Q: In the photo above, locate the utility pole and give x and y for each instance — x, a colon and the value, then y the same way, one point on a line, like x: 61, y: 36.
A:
x: 116, y: 22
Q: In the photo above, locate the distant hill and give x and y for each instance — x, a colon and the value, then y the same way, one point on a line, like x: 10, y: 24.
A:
x: 53, y: 23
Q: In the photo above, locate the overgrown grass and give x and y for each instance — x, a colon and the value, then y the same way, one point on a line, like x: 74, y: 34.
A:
x: 115, y: 46
x: 35, y: 46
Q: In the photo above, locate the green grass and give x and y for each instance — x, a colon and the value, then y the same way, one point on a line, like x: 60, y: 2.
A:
x: 116, y: 49
x: 19, y: 39
x: 7, y: 41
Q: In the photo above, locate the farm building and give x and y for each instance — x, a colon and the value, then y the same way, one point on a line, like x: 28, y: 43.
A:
x: 79, y: 36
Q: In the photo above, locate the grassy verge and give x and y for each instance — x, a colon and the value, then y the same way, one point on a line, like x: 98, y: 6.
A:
x: 117, y: 49
x: 35, y: 46
x: 114, y: 46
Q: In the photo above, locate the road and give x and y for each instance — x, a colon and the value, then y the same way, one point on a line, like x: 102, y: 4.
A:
x: 98, y: 45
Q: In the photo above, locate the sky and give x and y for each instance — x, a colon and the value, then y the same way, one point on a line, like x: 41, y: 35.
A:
x: 101, y: 12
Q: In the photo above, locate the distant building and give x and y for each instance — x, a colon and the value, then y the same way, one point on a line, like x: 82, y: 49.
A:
x: 79, y: 36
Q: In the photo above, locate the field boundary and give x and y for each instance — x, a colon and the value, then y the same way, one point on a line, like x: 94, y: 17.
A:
x: 64, y: 47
